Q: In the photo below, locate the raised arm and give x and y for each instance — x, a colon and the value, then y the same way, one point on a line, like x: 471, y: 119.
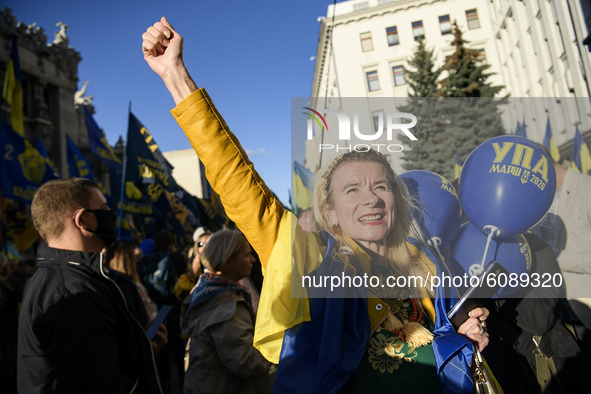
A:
x: 246, y: 198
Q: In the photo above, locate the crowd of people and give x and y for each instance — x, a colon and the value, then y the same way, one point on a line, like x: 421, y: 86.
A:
x: 85, y: 311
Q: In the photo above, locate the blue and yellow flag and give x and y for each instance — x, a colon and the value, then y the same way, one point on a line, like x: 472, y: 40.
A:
x: 98, y: 143
x: 13, y: 89
x: 302, y: 178
x: 43, y: 152
x: 78, y: 166
x: 458, y: 166
x: 23, y: 167
x: 550, y: 143
x: 581, y: 157
x: 147, y: 173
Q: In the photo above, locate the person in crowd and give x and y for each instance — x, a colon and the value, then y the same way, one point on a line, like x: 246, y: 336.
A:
x: 11, y: 290
x: 534, y: 351
x: 219, y: 319
x: 146, y: 248
x: 358, y: 341
x: 76, y: 334
x: 122, y: 261
x: 187, y: 280
x: 567, y: 229
x: 162, y: 271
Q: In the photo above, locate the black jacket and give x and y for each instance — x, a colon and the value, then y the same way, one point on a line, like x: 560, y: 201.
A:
x: 76, y: 334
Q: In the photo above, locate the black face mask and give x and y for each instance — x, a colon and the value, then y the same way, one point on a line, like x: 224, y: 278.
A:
x: 106, y: 227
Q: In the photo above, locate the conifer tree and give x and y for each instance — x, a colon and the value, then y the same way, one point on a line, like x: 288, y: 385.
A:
x: 462, y: 116
x: 422, y: 79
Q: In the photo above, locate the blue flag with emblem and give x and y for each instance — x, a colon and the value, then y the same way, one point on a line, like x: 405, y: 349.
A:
x: 23, y: 167
x: 98, y: 143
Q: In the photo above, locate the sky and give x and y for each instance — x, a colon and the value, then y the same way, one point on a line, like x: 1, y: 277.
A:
x: 252, y: 57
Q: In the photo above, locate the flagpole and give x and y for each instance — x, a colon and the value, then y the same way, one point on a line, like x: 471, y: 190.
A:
x: 122, y: 192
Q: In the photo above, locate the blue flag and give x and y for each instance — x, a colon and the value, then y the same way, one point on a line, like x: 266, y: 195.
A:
x: 520, y: 131
x: 78, y: 166
x: 581, y: 157
x: 147, y: 173
x: 550, y: 143
x: 23, y: 167
x: 98, y: 143
x: 43, y: 152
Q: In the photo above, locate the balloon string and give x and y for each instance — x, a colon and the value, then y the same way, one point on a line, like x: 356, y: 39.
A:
x: 435, y: 242
x: 494, y: 231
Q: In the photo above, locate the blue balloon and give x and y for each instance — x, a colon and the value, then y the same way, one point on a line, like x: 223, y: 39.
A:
x: 507, y: 182
x: 440, y: 215
x: 466, y: 251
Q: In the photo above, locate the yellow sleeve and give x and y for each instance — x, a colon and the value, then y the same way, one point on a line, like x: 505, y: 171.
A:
x: 247, y: 200
x: 271, y: 230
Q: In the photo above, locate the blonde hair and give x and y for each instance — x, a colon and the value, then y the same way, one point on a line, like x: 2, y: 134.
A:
x: 222, y: 246
x: 399, y: 258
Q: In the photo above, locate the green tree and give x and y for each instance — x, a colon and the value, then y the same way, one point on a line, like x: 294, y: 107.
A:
x: 462, y: 114
x: 422, y: 77
x: 467, y: 76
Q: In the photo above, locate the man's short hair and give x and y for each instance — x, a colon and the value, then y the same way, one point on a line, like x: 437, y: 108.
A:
x: 56, y: 201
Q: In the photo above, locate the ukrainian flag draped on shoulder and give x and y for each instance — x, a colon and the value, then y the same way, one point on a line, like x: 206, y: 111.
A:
x: 13, y: 89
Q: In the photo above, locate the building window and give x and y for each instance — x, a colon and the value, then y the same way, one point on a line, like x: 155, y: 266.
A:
x: 366, y: 43
x: 417, y: 30
x: 372, y: 81
x: 398, y: 72
x: 472, y: 17
x: 445, y: 24
x: 392, y: 35
x: 361, y: 6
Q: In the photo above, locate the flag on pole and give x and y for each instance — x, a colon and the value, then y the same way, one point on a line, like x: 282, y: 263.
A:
x: 520, y: 131
x: 302, y: 178
x: 550, y: 143
x: 458, y: 166
x: 13, y: 89
x: 78, y: 166
x: 43, y: 152
x: 98, y: 143
x: 581, y: 157
x: 23, y: 167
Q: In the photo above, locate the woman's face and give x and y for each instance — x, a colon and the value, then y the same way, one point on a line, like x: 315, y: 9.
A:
x: 239, y: 266
x: 200, y: 244
x: 362, y: 202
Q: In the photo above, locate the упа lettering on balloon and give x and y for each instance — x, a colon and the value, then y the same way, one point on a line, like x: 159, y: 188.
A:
x: 522, y: 157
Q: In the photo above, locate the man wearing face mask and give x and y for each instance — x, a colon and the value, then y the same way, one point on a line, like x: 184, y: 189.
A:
x: 76, y: 334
